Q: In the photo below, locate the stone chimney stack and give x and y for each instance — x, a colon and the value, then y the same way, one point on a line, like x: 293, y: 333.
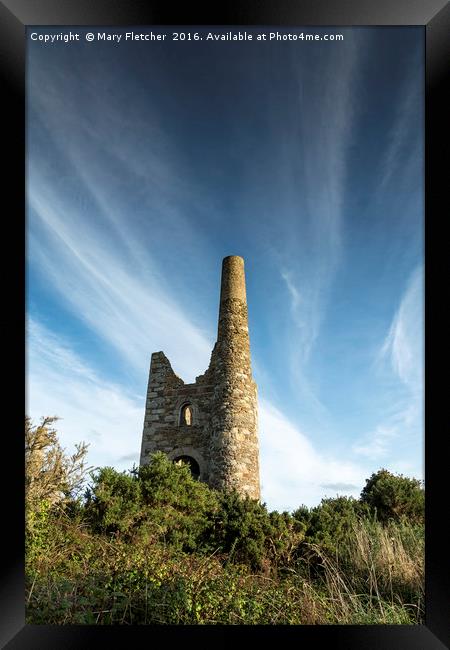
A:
x: 232, y: 291
x: 234, y: 441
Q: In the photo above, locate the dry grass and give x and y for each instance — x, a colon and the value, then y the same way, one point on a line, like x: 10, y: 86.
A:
x: 377, y: 577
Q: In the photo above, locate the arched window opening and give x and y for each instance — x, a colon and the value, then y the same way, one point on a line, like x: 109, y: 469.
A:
x: 191, y: 462
x: 186, y: 415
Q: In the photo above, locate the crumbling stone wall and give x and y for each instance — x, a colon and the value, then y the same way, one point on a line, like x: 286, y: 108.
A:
x: 222, y: 437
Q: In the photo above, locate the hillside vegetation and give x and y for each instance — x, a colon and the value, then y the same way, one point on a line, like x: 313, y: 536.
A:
x: 155, y: 546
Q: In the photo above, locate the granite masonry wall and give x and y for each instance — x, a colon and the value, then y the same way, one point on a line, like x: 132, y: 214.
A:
x: 221, y: 436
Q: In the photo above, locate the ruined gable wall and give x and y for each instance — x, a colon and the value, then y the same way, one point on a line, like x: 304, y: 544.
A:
x: 162, y: 430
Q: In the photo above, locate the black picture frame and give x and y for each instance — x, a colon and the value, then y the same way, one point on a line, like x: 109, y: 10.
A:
x: 434, y: 16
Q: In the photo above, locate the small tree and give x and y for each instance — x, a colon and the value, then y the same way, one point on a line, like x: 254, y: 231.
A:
x: 51, y: 476
x: 394, y: 497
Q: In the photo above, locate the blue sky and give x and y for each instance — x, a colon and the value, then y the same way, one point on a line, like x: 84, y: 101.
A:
x: 147, y: 163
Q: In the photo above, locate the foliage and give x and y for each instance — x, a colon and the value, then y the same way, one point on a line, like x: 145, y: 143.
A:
x: 113, y: 501
x: 178, y: 507
x: 156, y: 546
x: 103, y: 580
x: 331, y: 523
x: 160, y: 500
x: 51, y: 476
x: 302, y: 517
x: 394, y: 497
x: 249, y: 534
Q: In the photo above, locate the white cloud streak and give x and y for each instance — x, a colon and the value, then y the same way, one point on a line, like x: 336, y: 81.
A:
x: 315, y: 164
x: 401, y: 134
x: 403, y: 345
x: 403, y: 349
x: 376, y: 444
x: 123, y: 306
x: 91, y: 409
x: 114, y: 277
x: 293, y: 471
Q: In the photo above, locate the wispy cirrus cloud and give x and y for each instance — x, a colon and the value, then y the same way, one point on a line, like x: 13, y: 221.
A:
x: 376, y: 444
x: 311, y: 244
x: 403, y: 345
x: 127, y: 165
x: 108, y: 219
x: 403, y: 133
x: 121, y: 304
x: 402, y: 349
x: 317, y: 173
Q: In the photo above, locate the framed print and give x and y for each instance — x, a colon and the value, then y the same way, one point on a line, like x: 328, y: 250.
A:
x: 231, y: 268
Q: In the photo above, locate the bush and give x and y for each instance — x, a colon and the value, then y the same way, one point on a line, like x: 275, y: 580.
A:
x: 161, y: 501
x: 302, y: 517
x: 113, y: 501
x: 331, y: 524
x: 239, y: 528
x: 179, y: 508
x: 394, y: 497
x: 249, y: 534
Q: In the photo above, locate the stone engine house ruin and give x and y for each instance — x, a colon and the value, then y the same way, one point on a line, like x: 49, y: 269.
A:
x: 211, y: 424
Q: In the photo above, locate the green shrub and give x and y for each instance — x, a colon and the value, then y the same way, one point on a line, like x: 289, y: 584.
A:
x: 249, y: 534
x: 394, y: 497
x: 113, y: 501
x: 160, y: 501
x: 302, y: 517
x: 179, y: 508
x: 240, y: 528
x: 330, y: 524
